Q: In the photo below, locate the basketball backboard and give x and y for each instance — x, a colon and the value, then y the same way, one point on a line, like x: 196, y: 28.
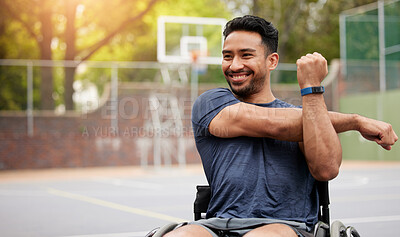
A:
x: 184, y: 39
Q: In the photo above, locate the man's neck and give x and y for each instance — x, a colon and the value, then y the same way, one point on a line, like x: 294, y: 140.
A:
x: 262, y: 97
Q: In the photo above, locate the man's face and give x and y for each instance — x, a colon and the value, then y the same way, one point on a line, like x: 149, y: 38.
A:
x: 244, y: 63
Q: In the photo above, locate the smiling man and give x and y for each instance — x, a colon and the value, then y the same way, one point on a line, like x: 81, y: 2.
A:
x: 247, y: 72
x: 261, y: 155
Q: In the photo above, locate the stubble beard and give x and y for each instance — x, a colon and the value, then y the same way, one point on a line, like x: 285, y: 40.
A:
x: 254, y: 86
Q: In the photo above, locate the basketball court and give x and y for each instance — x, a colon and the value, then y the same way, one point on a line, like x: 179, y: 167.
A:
x: 130, y: 201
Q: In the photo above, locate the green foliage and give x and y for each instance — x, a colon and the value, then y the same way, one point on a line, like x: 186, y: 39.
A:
x: 305, y: 26
x: 392, y: 27
x: 13, y: 84
x: 21, y: 33
x: 359, y: 28
x: 15, y: 43
x: 213, y: 74
x: 13, y: 89
x: 138, y: 42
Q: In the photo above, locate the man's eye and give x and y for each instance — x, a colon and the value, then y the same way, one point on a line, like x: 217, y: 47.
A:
x: 247, y: 55
x: 227, y: 56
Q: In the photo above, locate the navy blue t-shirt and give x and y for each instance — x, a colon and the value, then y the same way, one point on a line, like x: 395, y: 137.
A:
x: 252, y: 177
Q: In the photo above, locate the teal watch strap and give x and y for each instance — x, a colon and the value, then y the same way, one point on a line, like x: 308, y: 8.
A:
x: 312, y: 90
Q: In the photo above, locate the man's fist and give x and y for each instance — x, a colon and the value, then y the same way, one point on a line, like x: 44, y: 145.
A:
x: 380, y: 132
x: 311, y: 70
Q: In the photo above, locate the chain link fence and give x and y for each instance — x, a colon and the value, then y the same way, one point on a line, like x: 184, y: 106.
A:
x: 370, y: 47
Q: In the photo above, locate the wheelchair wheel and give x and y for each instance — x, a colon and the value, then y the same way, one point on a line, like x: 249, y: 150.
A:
x: 321, y: 229
x: 352, y: 232
x: 162, y: 231
x: 338, y: 229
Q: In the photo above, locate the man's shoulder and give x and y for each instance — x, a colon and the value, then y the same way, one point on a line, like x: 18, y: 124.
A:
x: 216, y: 92
x: 215, y: 96
x: 210, y: 103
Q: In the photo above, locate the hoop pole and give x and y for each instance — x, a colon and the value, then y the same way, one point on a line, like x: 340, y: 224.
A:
x: 382, y: 64
x: 194, y: 82
x: 29, y: 110
x: 114, y: 98
x: 343, y: 44
x: 382, y: 54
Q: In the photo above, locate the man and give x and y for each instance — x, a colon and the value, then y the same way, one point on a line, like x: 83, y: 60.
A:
x: 261, y: 156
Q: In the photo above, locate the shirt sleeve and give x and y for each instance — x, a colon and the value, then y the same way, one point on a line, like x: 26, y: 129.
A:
x: 207, y: 106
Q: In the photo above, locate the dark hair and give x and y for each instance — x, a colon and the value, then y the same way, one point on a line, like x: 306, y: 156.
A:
x: 268, y: 33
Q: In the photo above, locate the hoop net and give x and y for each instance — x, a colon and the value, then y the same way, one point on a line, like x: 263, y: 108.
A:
x: 200, y: 66
x: 197, y: 55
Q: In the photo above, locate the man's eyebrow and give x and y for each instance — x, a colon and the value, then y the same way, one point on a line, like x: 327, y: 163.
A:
x: 247, y: 50
x: 241, y: 50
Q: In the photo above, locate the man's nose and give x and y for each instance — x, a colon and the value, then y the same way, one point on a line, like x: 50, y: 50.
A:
x: 236, y: 64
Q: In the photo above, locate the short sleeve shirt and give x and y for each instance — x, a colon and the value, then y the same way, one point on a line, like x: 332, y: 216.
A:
x: 252, y: 177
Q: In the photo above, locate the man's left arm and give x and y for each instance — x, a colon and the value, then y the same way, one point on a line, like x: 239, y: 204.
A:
x: 321, y: 144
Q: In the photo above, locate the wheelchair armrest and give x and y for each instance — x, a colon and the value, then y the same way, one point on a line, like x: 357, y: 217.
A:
x: 202, y: 200
x: 323, y: 192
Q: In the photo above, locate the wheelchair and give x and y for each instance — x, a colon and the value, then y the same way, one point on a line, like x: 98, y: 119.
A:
x: 322, y: 228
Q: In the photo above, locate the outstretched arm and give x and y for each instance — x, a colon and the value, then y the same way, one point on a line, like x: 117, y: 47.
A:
x: 286, y: 124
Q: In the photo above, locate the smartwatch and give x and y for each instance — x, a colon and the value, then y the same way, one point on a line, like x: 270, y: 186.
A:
x: 312, y: 90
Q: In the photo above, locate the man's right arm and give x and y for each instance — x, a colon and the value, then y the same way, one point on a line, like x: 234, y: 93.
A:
x: 244, y: 119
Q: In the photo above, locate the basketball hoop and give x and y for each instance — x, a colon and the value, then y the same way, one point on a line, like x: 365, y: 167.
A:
x: 198, y: 65
x: 197, y: 54
x: 208, y: 36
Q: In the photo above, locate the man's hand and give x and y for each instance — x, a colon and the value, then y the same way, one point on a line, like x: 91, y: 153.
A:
x: 311, y: 70
x: 380, y: 132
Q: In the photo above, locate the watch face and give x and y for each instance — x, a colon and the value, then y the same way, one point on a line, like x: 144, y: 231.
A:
x: 319, y: 89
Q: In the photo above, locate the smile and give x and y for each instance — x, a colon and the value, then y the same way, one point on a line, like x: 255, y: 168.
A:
x: 239, y: 77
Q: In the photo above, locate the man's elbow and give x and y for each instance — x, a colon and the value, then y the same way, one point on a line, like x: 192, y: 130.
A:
x: 328, y: 171
x: 325, y: 174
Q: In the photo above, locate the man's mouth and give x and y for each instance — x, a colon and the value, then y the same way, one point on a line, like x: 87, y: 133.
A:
x: 238, y: 78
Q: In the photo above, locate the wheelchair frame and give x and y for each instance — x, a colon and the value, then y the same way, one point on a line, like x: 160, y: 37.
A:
x: 203, y: 197
x: 322, y: 228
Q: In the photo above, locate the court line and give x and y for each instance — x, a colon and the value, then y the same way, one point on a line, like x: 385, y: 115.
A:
x: 370, y: 219
x: 113, y: 205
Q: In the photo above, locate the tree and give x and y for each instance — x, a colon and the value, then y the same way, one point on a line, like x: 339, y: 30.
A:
x: 43, y: 37
x: 88, y: 29
x: 72, y: 54
x: 39, y: 18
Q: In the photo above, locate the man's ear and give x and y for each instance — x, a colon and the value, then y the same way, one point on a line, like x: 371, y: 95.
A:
x: 272, y: 61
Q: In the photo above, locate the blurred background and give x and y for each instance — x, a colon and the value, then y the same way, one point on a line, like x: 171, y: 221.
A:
x: 95, y: 83
x: 83, y: 83
x: 78, y: 77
